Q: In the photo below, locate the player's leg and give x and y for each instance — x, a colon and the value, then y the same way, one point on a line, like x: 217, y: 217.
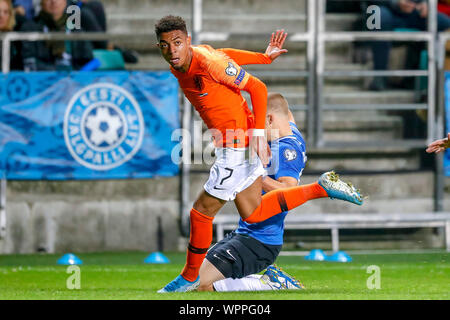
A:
x: 219, y: 188
x: 272, y: 279
x: 201, y: 232
x: 253, y: 282
x: 255, y: 208
x: 208, y: 275
x: 208, y: 204
x: 249, y: 199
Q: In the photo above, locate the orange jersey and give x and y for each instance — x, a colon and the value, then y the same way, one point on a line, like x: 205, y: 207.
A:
x: 213, y: 84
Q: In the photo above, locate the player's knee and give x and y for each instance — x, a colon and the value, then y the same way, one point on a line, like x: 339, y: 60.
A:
x: 203, y: 209
x: 198, y: 206
x: 208, y: 205
x: 252, y: 216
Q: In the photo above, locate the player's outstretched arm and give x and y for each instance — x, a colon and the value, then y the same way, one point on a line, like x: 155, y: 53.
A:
x: 258, y: 94
x: 439, y: 145
x: 273, y: 51
x: 244, y: 57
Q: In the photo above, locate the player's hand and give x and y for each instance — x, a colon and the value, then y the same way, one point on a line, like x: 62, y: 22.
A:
x: 275, y: 47
x: 260, y: 147
x: 439, y: 145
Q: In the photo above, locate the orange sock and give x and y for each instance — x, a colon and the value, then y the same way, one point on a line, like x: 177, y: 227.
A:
x: 277, y: 201
x: 199, y: 241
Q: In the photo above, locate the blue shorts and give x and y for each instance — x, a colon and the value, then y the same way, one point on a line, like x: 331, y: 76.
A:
x: 239, y: 255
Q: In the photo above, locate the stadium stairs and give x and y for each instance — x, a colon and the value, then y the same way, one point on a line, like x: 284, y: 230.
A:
x: 121, y: 215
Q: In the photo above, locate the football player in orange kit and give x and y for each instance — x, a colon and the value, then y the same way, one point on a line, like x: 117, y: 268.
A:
x: 212, y: 80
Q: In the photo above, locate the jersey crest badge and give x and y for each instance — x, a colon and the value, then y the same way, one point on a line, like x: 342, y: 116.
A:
x: 231, y: 70
x: 290, y: 154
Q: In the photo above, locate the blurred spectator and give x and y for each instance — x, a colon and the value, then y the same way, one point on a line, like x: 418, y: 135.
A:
x: 95, y: 9
x: 24, y: 8
x: 54, y: 55
x: 7, y: 24
x: 400, y: 14
x: 7, y: 18
x: 444, y: 7
x: 90, y: 22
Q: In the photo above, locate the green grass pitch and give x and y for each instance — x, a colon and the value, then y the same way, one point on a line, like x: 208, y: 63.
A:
x: 105, y: 276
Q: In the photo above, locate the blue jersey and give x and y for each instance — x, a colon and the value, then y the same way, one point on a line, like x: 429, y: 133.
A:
x: 288, y: 160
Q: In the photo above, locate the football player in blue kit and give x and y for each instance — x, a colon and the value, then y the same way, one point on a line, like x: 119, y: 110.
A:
x: 233, y: 263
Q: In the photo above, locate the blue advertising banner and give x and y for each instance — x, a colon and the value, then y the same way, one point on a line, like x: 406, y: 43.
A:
x: 87, y: 125
x: 447, y: 122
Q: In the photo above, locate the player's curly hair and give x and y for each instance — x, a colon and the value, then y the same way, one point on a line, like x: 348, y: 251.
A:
x: 170, y: 23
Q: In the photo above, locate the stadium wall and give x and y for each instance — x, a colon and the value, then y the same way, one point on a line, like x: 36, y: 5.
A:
x: 88, y: 216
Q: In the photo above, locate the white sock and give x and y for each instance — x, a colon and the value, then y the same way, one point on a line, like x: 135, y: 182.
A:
x: 249, y: 283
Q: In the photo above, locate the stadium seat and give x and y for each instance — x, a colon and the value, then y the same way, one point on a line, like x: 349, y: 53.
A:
x: 406, y: 30
x: 423, y: 65
x: 109, y: 59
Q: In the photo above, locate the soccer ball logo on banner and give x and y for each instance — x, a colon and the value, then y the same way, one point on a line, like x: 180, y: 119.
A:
x: 103, y: 126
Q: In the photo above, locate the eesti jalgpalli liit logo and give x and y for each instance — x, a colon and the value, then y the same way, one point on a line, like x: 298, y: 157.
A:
x: 103, y: 126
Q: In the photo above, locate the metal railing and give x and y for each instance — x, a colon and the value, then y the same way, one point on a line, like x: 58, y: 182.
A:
x: 7, y: 38
x: 199, y: 35
x: 323, y: 37
x: 336, y: 222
